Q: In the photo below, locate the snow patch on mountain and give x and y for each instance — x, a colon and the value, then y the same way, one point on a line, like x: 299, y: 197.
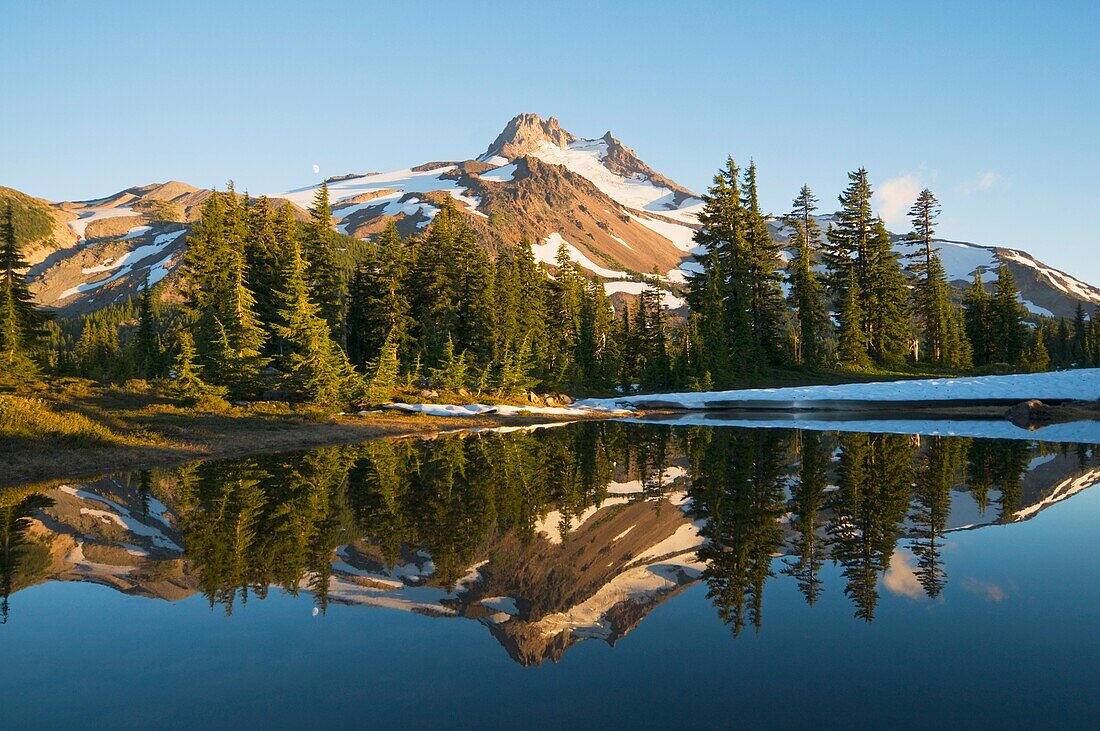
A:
x: 548, y: 254
x: 86, y: 217
x: 585, y: 157
x: 401, y: 182
x: 670, y: 300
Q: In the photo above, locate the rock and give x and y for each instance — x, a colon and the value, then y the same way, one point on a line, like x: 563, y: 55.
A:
x: 276, y: 394
x: 464, y: 393
x: 550, y: 400
x: 1029, y: 414
x: 271, y: 371
x: 534, y: 398
x: 565, y: 399
x: 429, y: 393
x: 240, y: 403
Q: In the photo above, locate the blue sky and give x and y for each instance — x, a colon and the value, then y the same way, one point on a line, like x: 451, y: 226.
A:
x: 993, y: 105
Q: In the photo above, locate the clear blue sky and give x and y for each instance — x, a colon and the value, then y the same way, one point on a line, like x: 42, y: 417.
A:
x: 993, y: 105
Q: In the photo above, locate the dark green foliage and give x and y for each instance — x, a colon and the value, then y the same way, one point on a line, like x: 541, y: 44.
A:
x: 20, y: 321
x: 325, y: 278
x: 807, y: 295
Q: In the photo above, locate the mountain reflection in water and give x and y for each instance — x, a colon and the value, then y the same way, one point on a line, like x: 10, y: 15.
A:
x: 547, y: 537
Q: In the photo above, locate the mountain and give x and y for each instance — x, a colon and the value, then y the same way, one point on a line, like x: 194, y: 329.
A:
x: 618, y: 217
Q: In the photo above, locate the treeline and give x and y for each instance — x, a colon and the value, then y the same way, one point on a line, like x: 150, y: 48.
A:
x: 851, y: 301
x: 277, y: 308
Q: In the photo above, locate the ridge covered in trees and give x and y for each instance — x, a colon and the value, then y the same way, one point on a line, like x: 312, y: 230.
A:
x: 271, y: 307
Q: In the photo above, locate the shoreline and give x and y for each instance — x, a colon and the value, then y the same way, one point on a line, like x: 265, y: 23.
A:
x: 201, y: 439
x: 54, y: 465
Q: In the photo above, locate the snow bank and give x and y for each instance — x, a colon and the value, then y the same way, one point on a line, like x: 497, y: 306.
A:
x: 1077, y: 432
x: 500, y: 409
x: 1080, y: 384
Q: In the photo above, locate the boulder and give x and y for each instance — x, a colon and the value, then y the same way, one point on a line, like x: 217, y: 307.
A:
x: 1030, y: 414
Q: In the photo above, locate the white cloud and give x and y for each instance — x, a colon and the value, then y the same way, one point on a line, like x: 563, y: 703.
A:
x: 316, y: 168
x: 894, y: 197
x: 984, y: 180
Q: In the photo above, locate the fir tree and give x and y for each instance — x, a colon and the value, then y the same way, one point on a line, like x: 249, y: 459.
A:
x: 147, y: 347
x: 762, y: 264
x: 1036, y: 358
x: 20, y: 321
x: 806, y: 291
x: 1008, y: 334
x: 317, y: 368
x: 931, y: 302
x: 852, y: 340
x: 379, y: 306
x: 384, y: 374
x: 187, y: 380
x: 977, y: 316
x: 718, y: 291
x: 325, y: 279
x: 884, y: 311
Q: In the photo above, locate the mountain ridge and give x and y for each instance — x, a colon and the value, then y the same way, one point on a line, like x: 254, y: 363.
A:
x: 618, y: 218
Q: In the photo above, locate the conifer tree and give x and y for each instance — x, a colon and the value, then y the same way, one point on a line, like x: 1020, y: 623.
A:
x: 1036, y: 358
x: 807, y: 295
x: 931, y: 303
x: 852, y: 340
x: 20, y: 321
x: 884, y: 311
x: 188, y: 382
x: 147, y: 345
x: 718, y: 290
x: 1008, y: 334
x: 325, y: 279
x: 317, y: 368
x: 762, y: 264
x: 453, y: 372
x: 384, y: 374
x: 976, y: 307
x: 379, y: 307
x: 1080, y: 353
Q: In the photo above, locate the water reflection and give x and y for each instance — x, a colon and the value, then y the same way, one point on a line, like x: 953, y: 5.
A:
x: 546, y: 537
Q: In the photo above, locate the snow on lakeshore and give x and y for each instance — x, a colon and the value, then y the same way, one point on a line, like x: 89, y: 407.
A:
x: 1075, y: 432
x: 1081, y: 384
x: 501, y: 409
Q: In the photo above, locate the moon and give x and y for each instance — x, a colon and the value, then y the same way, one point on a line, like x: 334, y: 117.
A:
x: 316, y: 168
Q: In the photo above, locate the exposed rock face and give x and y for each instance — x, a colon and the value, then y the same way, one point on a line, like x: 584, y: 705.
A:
x: 525, y: 133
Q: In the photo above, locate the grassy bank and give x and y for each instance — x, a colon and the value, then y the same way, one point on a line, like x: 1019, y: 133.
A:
x: 73, y: 428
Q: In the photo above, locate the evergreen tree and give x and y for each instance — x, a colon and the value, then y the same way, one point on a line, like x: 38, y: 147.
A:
x: 931, y: 302
x: 453, y: 373
x: 762, y: 264
x: 20, y: 321
x: 884, y: 312
x: 325, y: 278
x: 147, y: 347
x: 978, y: 321
x: 806, y: 290
x: 317, y: 368
x: 378, y: 307
x: 383, y: 379
x: 1007, y: 333
x: 852, y: 340
x: 718, y: 292
x: 1036, y: 358
x: 188, y: 382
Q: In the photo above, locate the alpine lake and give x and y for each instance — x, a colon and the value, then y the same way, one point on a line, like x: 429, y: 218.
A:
x: 596, y: 574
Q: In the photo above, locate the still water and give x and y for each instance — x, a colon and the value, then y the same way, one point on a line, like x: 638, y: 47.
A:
x: 597, y: 574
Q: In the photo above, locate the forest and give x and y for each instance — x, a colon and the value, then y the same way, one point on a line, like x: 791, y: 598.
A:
x: 269, y: 307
